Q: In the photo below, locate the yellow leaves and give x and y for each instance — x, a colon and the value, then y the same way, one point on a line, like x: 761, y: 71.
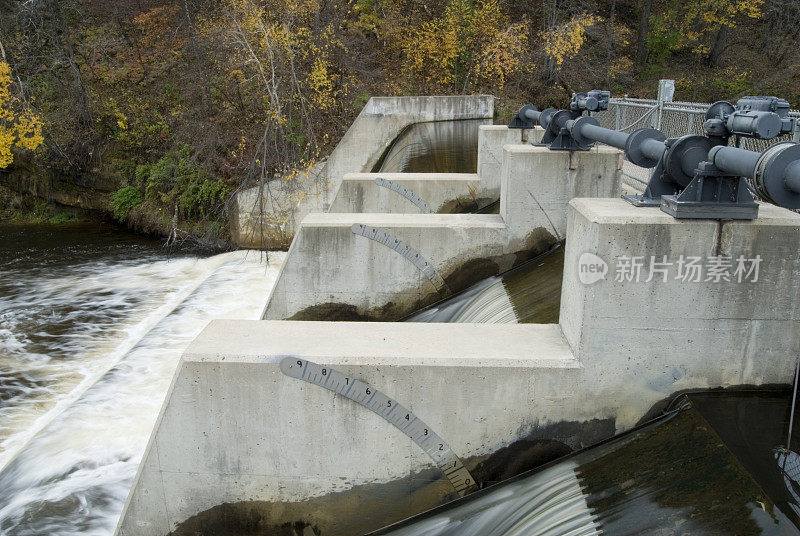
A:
x: 29, y: 131
x: 716, y: 13
x: 502, y: 56
x: 7, y: 139
x: 320, y: 82
x: 564, y: 42
x: 19, y: 126
x: 432, y: 51
x: 470, y: 41
x: 5, y: 92
x: 619, y: 66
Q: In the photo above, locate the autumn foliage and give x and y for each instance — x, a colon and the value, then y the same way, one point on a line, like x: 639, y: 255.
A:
x: 189, y: 102
x: 19, y: 126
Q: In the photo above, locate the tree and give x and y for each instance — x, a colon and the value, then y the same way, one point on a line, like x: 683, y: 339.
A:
x: 688, y: 25
x: 564, y: 41
x: 19, y: 126
x: 468, y: 44
x: 641, y: 40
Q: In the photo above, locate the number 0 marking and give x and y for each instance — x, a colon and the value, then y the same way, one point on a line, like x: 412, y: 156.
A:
x: 402, y: 419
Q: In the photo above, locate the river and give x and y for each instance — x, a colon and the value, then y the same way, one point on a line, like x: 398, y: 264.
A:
x: 93, y: 321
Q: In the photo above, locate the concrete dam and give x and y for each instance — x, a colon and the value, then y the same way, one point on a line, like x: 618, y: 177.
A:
x: 473, y: 323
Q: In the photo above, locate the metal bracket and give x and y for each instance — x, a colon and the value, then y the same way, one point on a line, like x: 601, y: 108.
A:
x: 405, y: 192
x: 712, y: 194
x: 411, y: 254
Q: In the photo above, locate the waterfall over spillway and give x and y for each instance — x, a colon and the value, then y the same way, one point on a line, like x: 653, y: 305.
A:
x: 706, y: 468
x: 434, y: 147
x: 553, y: 504
x: 530, y: 293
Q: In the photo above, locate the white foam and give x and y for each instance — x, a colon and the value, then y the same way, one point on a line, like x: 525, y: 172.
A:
x: 72, y: 477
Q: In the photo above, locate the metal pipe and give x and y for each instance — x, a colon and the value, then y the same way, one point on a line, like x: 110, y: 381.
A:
x: 603, y: 135
x: 737, y: 162
x: 653, y: 148
x: 644, y: 147
x: 793, y: 176
x: 533, y: 114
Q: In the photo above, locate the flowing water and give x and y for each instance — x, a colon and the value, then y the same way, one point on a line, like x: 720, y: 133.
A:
x: 528, y: 294
x: 93, y: 321
x: 690, y: 473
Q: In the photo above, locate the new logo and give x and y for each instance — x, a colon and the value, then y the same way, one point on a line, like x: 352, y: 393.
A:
x: 591, y: 268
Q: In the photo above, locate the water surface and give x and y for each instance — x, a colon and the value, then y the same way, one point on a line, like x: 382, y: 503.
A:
x: 678, y: 476
x: 93, y: 321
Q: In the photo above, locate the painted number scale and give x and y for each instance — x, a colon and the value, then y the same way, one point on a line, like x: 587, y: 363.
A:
x: 400, y: 417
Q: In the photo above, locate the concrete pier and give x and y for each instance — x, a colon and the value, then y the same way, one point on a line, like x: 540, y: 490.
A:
x: 234, y: 430
x: 273, y: 212
x: 443, y: 193
x: 491, y: 140
x: 241, y: 430
x: 682, y: 304
x: 330, y: 275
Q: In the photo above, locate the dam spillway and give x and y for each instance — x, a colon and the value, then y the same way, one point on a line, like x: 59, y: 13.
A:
x: 530, y: 293
x: 695, y: 470
x: 528, y: 391
x: 487, y: 389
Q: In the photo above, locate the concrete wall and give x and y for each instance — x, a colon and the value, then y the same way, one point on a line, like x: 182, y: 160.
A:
x: 644, y: 339
x: 444, y: 193
x: 234, y: 430
x: 332, y: 274
x: 239, y: 430
x: 378, y: 124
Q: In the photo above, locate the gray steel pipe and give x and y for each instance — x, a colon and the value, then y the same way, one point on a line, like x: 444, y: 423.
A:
x: 644, y: 147
x: 532, y: 114
x: 653, y: 148
x: 603, y: 135
x: 737, y: 162
x: 774, y: 173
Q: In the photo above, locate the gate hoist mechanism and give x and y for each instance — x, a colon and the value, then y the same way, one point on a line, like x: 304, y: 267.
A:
x: 693, y: 176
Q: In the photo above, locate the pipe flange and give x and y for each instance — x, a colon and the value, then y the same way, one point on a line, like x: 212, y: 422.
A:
x: 770, y: 181
x: 633, y: 146
x: 558, y: 121
x: 527, y: 108
x: 546, y: 116
x: 575, y: 130
x: 683, y: 156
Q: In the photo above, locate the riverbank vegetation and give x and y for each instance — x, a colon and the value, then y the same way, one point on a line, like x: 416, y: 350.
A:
x: 156, y: 112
